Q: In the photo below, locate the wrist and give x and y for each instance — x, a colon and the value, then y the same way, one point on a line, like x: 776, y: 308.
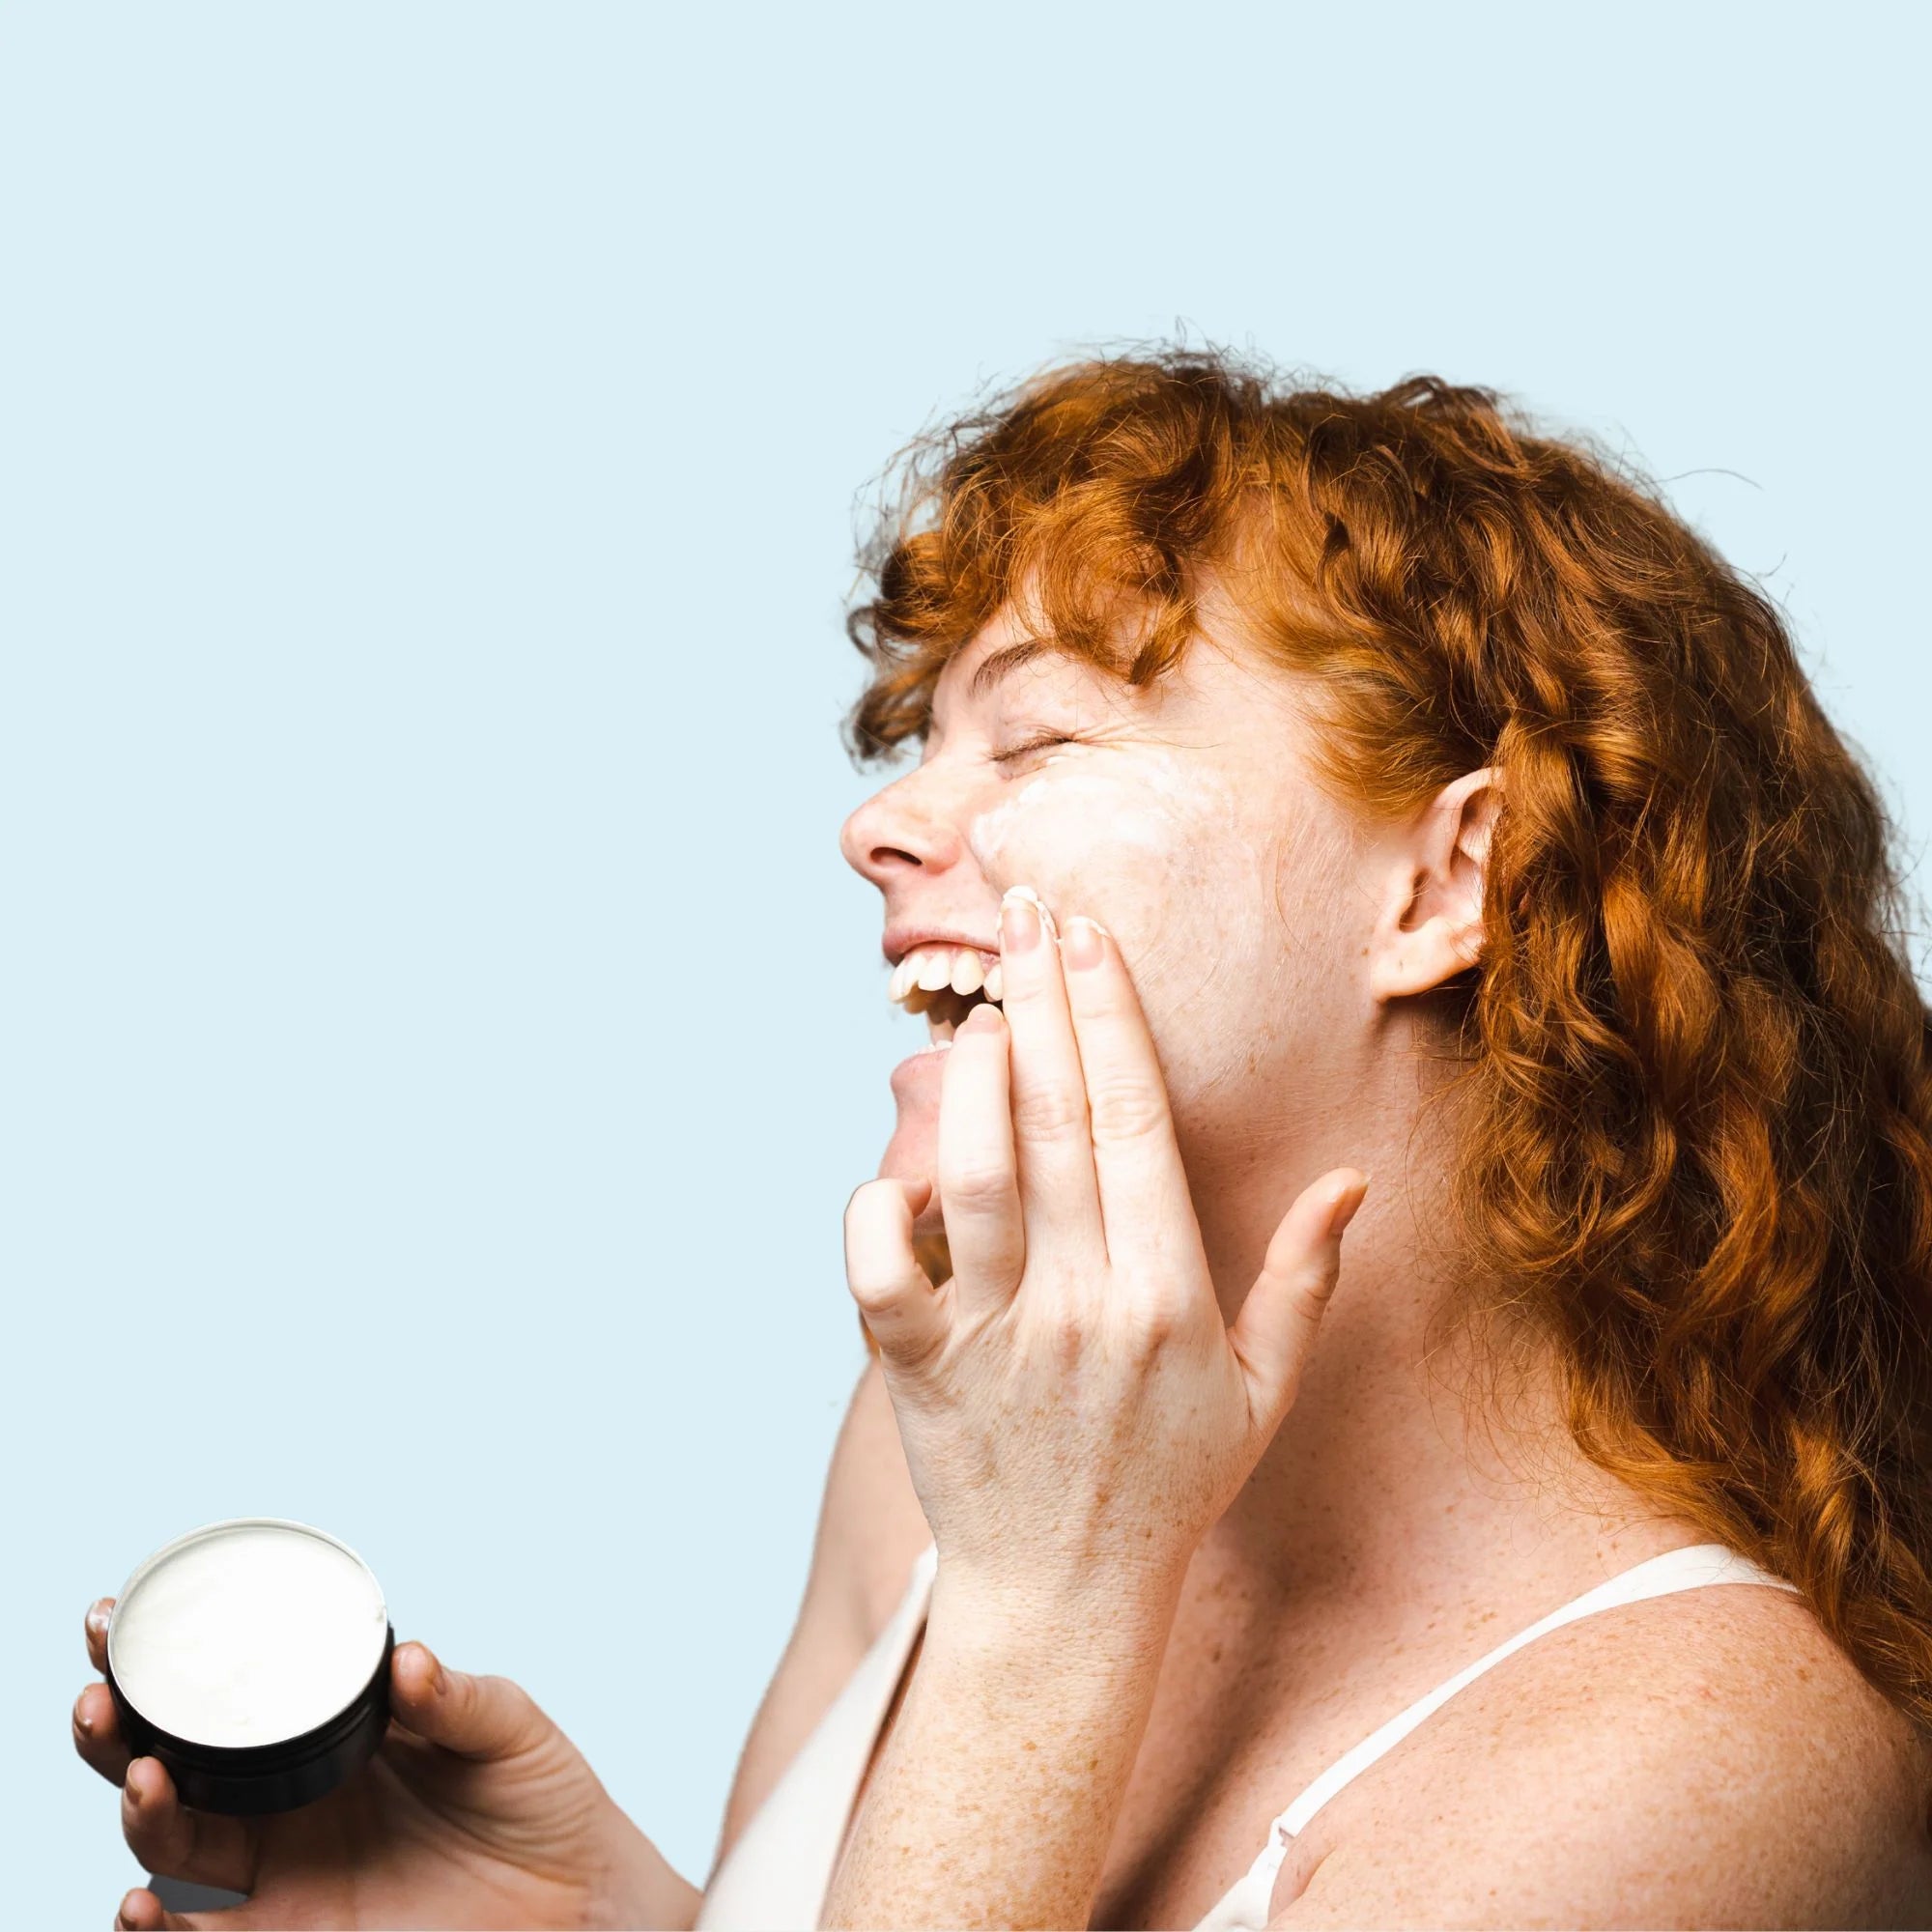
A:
x: 1094, y: 1624
x: 634, y: 1886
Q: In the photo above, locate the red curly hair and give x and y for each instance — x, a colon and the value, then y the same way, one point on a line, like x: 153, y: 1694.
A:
x: 1697, y: 1137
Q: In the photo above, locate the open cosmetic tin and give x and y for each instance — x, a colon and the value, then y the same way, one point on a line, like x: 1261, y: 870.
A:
x: 252, y: 1657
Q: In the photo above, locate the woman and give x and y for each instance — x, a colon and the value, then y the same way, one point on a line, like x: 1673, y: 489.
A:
x: 1312, y: 779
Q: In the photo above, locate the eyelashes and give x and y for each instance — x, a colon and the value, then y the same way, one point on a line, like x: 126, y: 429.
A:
x: 1039, y: 744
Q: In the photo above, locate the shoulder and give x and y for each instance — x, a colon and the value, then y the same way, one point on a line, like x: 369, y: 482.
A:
x: 1706, y: 1758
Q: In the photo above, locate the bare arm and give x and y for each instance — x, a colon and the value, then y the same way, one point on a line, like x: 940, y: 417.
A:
x: 870, y: 1531
x: 997, y: 1793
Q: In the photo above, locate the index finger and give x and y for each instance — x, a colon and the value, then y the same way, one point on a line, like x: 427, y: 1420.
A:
x: 1059, y: 1202
x: 97, y: 1733
x: 1143, y: 1197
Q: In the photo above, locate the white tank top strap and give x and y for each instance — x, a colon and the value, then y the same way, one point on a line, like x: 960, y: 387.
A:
x: 1678, y: 1570
x: 1687, y: 1569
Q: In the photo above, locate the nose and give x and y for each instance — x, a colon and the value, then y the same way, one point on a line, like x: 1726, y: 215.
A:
x: 902, y: 830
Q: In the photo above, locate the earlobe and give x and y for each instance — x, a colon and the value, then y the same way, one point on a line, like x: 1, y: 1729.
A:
x: 1424, y: 956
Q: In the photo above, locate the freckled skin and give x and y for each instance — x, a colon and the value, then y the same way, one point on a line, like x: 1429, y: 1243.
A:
x: 1184, y: 821
x: 1395, y: 1525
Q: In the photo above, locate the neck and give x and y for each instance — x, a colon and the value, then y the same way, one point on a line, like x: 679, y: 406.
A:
x: 1410, y: 1448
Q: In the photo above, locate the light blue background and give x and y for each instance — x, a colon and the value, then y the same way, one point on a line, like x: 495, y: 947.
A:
x: 440, y: 1032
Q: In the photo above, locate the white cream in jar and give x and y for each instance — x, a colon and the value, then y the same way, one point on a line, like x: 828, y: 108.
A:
x: 243, y: 1638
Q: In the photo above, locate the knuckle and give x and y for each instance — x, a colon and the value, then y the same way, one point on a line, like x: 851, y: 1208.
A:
x: 1154, y: 1322
x: 887, y: 1299
x: 912, y: 1349
x: 1308, y: 1296
x: 1097, y: 996
x: 1048, y: 1113
x: 976, y: 1185
x: 857, y: 1202
x: 1125, y: 1110
x: 153, y: 1836
x: 1067, y: 1336
x: 524, y: 1717
x: 874, y: 1295
x: 460, y: 1694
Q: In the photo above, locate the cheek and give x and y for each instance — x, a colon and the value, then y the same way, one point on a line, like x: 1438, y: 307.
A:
x: 1165, y: 862
x: 1087, y: 844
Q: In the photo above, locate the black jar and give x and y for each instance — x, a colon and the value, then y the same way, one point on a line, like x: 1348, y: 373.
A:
x: 251, y: 1657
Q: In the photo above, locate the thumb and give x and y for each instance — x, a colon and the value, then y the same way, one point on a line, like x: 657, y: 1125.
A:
x: 1274, y: 1334
x: 904, y: 1312
x: 142, y: 1910
x: 474, y: 1716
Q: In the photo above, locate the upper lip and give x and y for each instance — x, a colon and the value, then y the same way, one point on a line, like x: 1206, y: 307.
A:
x: 899, y: 940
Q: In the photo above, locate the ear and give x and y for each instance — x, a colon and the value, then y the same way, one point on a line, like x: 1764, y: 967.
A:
x: 1430, y: 927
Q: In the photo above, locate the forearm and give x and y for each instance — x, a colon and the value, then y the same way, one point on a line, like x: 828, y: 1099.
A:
x: 996, y: 1795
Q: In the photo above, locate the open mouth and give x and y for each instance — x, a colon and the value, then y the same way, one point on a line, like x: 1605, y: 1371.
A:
x: 945, y: 983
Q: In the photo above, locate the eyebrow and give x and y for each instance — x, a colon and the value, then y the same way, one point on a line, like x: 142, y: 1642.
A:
x: 1000, y: 664
x: 1008, y: 658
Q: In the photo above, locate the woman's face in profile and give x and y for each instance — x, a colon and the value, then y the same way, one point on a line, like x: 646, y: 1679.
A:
x: 1183, y: 818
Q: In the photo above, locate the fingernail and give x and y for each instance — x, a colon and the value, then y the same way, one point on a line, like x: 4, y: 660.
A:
x: 437, y: 1683
x: 82, y: 1722
x: 129, y: 1786
x: 96, y: 1620
x: 1347, y: 1203
x: 1021, y: 918
x: 1084, y: 944
x: 983, y: 1019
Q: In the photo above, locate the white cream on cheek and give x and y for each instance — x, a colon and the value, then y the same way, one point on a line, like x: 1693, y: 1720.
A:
x: 248, y: 1635
x: 1155, y: 847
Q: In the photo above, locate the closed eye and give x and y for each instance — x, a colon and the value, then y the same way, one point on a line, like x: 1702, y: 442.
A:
x: 1039, y: 744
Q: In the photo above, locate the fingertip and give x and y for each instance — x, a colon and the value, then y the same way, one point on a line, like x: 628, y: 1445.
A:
x: 139, y: 1911
x: 417, y: 1672
x: 147, y: 1784
x: 94, y: 1627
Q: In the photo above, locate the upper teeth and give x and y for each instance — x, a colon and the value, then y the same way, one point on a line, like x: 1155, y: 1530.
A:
x: 931, y: 969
